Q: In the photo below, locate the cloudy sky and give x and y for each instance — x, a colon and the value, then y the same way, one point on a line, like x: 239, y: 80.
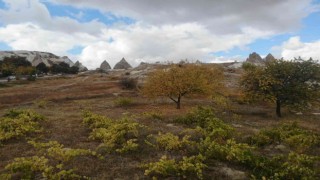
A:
x: 161, y: 30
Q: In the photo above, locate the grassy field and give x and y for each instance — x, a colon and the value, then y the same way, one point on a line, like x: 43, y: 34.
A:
x: 62, y: 101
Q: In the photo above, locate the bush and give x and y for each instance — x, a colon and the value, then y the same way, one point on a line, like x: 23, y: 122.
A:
x: 123, y: 102
x: 199, y: 116
x: 171, y: 142
x: 18, y: 123
x: 50, y: 164
x: 291, y: 166
x: 229, y: 151
x: 41, y: 103
x: 188, y: 167
x: 32, y: 78
x: 157, y: 115
x: 128, y: 83
x: 290, y: 134
x: 120, y: 136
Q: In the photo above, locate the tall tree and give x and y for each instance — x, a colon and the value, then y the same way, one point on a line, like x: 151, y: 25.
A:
x: 291, y: 83
x: 178, y: 81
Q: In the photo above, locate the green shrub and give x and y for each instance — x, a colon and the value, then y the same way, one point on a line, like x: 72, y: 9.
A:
x: 229, y: 151
x: 41, y: 103
x: 171, y: 142
x: 290, y: 134
x: 298, y: 166
x: 119, y: 135
x: 188, y: 167
x: 153, y: 115
x: 199, y: 116
x: 18, y: 123
x: 123, y: 102
x: 49, y: 164
x: 291, y: 166
x: 128, y: 83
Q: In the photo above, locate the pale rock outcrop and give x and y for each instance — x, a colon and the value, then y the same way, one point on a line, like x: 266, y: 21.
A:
x: 105, y: 66
x: 37, y: 57
x: 269, y: 58
x: 255, y: 58
x: 123, y: 64
x: 81, y: 67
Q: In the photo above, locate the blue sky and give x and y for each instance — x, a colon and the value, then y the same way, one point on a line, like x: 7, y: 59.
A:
x: 149, y: 31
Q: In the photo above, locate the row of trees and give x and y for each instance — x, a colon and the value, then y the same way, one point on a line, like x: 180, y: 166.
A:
x: 21, y: 66
x: 291, y: 83
x: 17, y: 66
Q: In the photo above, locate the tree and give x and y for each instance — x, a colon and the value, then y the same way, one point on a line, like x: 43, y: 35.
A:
x: 73, y: 70
x: 9, y: 65
x: 291, y: 83
x: 178, y: 81
x: 17, y: 61
x: 63, y: 67
x: 42, y: 68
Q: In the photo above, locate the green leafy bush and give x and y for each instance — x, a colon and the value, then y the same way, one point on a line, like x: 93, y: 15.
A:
x: 171, y: 142
x: 290, y: 134
x: 49, y: 164
x: 298, y: 166
x: 210, y: 125
x: 123, y: 102
x: 153, y: 115
x: 291, y: 166
x: 18, y: 123
x: 120, y: 135
x: 229, y: 151
x: 41, y: 103
x: 187, y: 167
x: 199, y: 116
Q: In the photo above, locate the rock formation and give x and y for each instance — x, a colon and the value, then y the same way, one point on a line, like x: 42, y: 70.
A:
x: 105, y: 66
x: 269, y: 58
x: 255, y: 58
x: 80, y: 66
x: 36, y: 57
x: 123, y: 64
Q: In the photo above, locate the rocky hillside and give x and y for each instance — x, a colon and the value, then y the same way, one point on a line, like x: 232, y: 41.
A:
x: 36, y: 57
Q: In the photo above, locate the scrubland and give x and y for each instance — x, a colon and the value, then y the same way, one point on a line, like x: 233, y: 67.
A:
x: 90, y: 126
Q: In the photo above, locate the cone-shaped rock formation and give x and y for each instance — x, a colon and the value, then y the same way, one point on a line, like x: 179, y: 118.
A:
x: 123, y: 64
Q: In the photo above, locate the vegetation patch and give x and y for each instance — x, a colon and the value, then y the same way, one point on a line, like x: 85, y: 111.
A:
x: 123, y: 102
x: 290, y: 134
x: 116, y: 135
x: 18, y: 123
x: 49, y: 163
x: 187, y: 167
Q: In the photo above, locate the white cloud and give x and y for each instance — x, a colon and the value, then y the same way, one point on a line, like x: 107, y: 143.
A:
x: 294, y: 47
x: 32, y: 11
x: 137, y: 42
x: 163, y: 31
x: 29, y: 36
x: 163, y: 43
x: 220, y: 17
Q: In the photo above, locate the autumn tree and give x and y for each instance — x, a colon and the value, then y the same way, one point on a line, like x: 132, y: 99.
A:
x: 9, y: 65
x: 178, y: 81
x: 286, y: 83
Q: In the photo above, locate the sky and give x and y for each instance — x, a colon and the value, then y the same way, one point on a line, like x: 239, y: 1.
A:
x: 161, y: 30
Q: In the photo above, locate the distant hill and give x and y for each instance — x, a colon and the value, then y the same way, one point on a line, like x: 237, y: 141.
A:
x: 36, y: 57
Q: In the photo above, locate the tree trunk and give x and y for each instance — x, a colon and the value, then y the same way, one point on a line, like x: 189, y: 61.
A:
x: 278, y: 108
x: 178, y: 102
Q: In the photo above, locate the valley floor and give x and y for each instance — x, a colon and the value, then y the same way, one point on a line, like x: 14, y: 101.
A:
x: 62, y: 101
